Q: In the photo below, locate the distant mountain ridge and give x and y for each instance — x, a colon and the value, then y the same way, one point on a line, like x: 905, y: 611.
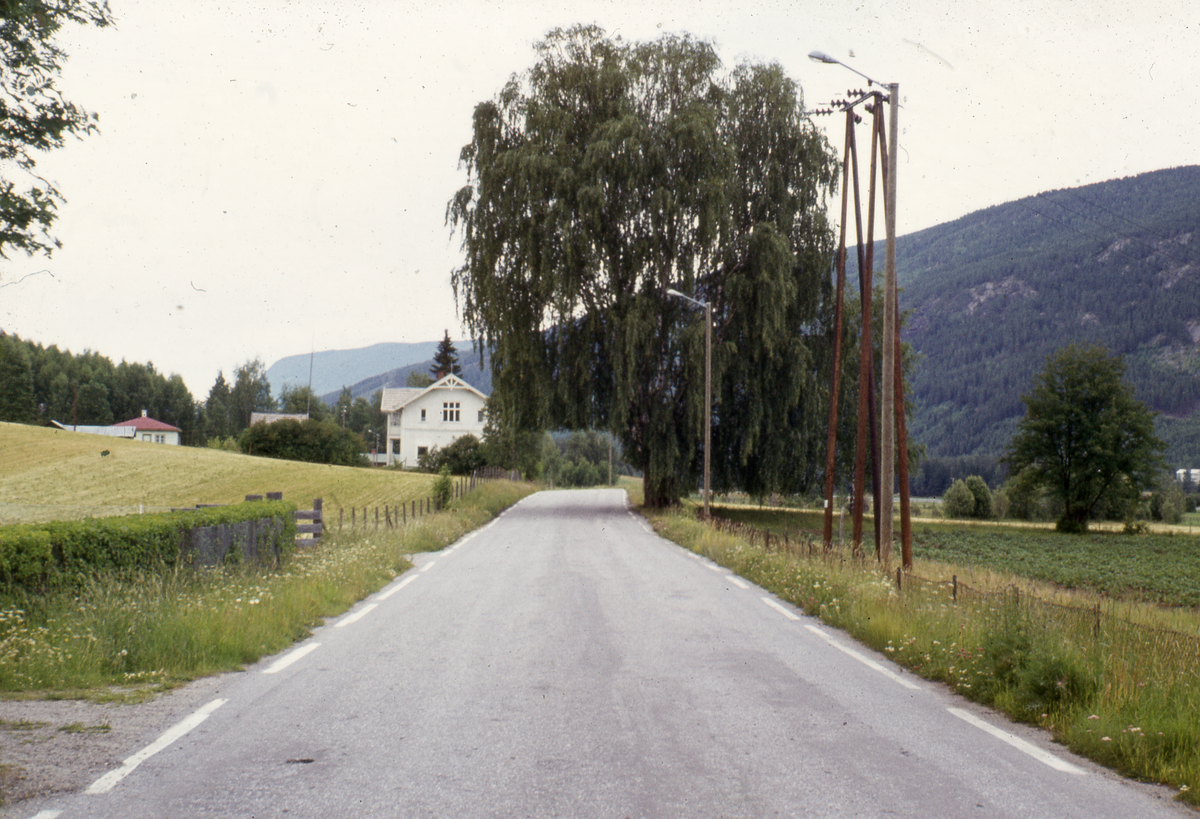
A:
x: 468, y: 359
x: 334, y: 369
x: 994, y: 293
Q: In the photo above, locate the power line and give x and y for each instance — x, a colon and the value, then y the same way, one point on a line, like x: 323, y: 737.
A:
x: 1119, y: 216
x: 1110, y: 227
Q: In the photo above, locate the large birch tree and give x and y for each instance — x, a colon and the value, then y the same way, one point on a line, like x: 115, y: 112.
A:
x: 611, y: 171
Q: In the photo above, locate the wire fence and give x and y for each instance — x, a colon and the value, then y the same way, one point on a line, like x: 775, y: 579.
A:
x: 1095, y: 622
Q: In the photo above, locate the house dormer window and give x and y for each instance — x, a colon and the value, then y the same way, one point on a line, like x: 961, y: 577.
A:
x: 451, y: 411
x: 422, y: 415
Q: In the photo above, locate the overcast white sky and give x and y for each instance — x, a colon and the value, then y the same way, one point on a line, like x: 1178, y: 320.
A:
x: 271, y: 176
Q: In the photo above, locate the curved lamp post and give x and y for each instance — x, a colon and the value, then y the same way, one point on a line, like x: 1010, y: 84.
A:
x: 707, y: 387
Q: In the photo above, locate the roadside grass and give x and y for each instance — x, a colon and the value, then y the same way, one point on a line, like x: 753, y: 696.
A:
x: 49, y: 474
x: 1152, y: 568
x: 126, y: 637
x: 1125, y: 696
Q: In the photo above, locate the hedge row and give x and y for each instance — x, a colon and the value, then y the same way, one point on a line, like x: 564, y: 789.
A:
x: 35, y: 556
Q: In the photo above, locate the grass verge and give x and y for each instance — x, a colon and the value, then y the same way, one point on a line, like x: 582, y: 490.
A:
x: 1125, y: 696
x: 124, y: 637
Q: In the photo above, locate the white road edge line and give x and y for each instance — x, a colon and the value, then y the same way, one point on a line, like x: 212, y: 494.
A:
x: 354, y: 618
x: 714, y: 567
x: 737, y: 581
x: 1045, y: 757
x: 781, y: 609
x: 428, y: 566
x: 47, y: 814
x: 286, y: 660
x: 385, y: 595
x: 107, y: 782
x: 865, y: 660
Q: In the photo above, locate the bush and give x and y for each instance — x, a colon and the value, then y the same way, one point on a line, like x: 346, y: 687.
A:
x: 442, y: 488
x: 34, y: 556
x: 317, y: 442
x: 983, y: 497
x: 958, y: 502
x: 1027, y: 499
x: 462, y: 457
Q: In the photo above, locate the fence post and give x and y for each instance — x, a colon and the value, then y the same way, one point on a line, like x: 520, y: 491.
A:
x: 341, y: 513
x: 376, y: 518
x: 319, y: 520
x: 954, y: 588
x: 899, y: 573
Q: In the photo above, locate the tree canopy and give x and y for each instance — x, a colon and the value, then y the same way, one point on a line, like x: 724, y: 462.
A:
x: 1084, y: 437
x: 610, y: 172
x: 34, y: 116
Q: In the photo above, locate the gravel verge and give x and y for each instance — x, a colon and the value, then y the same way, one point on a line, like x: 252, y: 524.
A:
x: 53, y: 747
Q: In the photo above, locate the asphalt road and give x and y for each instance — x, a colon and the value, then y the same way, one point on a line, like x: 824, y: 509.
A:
x: 565, y: 661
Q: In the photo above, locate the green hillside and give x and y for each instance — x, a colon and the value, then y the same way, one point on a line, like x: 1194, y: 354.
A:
x: 994, y: 293
x: 48, y: 474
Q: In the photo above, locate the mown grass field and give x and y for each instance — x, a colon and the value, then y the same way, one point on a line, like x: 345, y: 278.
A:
x: 1157, y: 568
x: 48, y: 474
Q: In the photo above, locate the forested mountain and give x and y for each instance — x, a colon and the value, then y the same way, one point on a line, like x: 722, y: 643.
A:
x: 994, y: 293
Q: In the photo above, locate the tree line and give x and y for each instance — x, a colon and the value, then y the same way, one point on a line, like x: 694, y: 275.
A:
x: 40, y: 384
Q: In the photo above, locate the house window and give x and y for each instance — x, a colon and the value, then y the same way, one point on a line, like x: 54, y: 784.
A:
x: 481, y: 416
x: 395, y: 446
x: 160, y: 439
x: 422, y: 451
x: 451, y: 411
x: 422, y: 415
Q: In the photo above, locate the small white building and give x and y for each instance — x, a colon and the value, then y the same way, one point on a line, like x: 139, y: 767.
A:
x: 420, y: 419
x: 139, y: 429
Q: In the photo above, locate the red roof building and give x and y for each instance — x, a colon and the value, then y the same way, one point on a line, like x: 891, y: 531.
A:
x: 150, y: 429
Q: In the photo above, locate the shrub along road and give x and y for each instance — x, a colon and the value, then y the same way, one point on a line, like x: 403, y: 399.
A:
x: 565, y: 661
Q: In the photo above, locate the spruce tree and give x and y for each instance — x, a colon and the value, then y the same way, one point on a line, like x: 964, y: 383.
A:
x: 445, y: 360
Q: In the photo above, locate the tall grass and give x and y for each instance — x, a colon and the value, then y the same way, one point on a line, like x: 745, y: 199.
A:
x: 1124, y: 695
x: 149, y: 630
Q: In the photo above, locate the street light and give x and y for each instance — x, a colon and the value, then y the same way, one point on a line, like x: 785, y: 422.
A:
x: 707, y: 389
x: 887, y: 443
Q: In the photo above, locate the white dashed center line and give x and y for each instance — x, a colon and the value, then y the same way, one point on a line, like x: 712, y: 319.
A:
x: 864, y: 659
x: 354, y: 618
x: 786, y: 612
x: 1021, y: 745
x: 109, y: 781
x: 286, y: 660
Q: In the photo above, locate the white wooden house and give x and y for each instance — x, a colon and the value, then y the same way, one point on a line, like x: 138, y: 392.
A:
x: 420, y: 419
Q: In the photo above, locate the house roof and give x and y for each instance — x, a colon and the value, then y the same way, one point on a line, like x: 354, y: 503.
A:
x: 113, y: 432
x: 399, y: 398
x: 272, y: 417
x: 146, y: 424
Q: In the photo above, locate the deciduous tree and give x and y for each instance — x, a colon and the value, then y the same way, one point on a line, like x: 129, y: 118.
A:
x: 1084, y: 436
x: 610, y: 172
x: 34, y: 116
